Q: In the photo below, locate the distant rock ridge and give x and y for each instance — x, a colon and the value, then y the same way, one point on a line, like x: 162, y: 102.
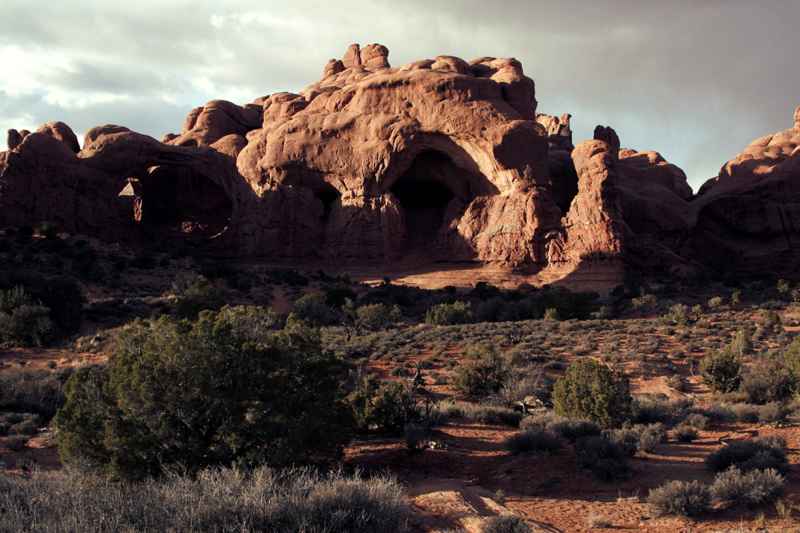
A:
x: 438, y: 160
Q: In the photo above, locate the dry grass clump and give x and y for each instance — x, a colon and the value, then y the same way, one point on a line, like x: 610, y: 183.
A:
x: 220, y: 500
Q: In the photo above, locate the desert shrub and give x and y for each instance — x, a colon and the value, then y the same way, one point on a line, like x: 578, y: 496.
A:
x: 651, y: 410
x: 772, y: 413
x: 532, y: 441
x: 377, y: 316
x: 767, y: 413
x: 589, y: 390
x: 482, y: 373
x: 678, y: 314
x: 34, y: 391
x: 194, y: 295
x: 639, y: 437
x: 763, y: 452
x: 526, y: 382
x: 313, y: 309
x: 756, y: 487
x: 783, y: 287
x: 771, y: 321
x: 715, y: 302
x: 626, y: 438
x: 449, y: 313
x: 736, y: 297
x: 482, y: 414
x: 677, y: 382
x: 721, y: 370
x: 23, y: 320
x: 607, y: 460
x: 791, y: 358
x: 645, y: 302
x: 205, y: 393
x: 769, y: 381
x: 61, y: 295
x: 685, y: 433
x: 650, y: 436
x: 696, y: 420
x: 383, y: 407
x: 681, y: 498
x: 742, y: 343
x: 506, y: 523
x: 551, y: 313
x: 222, y: 500
x: 719, y: 412
x: 415, y: 436
x: 337, y: 294
x: 572, y: 430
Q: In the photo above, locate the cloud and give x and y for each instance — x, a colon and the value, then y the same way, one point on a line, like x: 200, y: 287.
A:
x: 694, y: 80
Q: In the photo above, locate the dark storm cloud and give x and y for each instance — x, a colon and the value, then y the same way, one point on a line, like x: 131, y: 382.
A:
x: 694, y: 80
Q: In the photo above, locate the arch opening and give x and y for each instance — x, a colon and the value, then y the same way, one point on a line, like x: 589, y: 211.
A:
x: 426, y: 191
x: 328, y: 196
x: 177, y: 202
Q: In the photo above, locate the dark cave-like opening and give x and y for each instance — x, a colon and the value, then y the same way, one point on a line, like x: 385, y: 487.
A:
x: 180, y: 202
x: 328, y: 196
x: 424, y: 191
x: 564, y: 179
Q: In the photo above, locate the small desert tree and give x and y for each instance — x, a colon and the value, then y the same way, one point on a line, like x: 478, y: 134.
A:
x: 484, y: 372
x: 224, y: 390
x: 592, y: 391
x: 722, y: 370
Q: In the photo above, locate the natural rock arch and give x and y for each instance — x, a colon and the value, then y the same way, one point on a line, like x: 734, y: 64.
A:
x: 178, y: 201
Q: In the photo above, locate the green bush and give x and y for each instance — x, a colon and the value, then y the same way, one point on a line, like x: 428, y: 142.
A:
x: 678, y: 314
x: 377, y: 316
x: 721, y: 370
x: 681, y: 498
x: 651, y: 410
x: 532, y: 441
x: 206, y: 393
x: 482, y: 373
x: 756, y: 487
x: 551, y: 313
x: 196, y: 295
x: 607, y: 460
x: 506, y: 523
x: 62, y: 296
x: 685, y: 433
x: 449, y: 313
x: 526, y: 382
x: 791, y: 358
x: 314, y: 310
x: 742, y: 343
x: 639, y: 437
x: 771, y: 380
x: 482, y: 414
x: 589, y: 390
x: 383, y: 407
x: 572, y: 430
x: 219, y: 500
x: 696, y: 420
x: 758, y: 453
x: 22, y: 320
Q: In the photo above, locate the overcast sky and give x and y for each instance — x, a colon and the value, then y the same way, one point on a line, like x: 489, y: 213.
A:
x: 696, y: 80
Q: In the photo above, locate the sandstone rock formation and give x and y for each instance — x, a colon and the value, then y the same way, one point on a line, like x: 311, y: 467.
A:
x: 438, y: 160
x: 747, y: 219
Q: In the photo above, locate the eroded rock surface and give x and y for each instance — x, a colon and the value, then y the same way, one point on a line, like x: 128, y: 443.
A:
x: 747, y: 219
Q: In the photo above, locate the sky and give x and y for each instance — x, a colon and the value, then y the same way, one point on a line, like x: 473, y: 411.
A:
x: 696, y: 80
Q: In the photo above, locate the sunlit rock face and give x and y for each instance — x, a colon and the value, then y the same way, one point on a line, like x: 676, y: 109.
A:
x: 438, y: 160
